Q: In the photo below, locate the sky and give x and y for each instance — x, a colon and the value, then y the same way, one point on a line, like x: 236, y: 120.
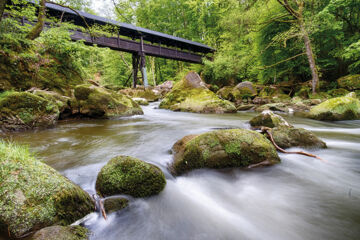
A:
x: 102, y: 7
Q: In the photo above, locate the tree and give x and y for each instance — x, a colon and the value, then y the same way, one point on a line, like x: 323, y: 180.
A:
x: 2, y: 8
x: 39, y: 26
x: 298, y: 15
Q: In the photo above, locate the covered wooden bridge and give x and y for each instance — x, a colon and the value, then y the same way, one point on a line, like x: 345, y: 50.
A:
x: 140, y: 41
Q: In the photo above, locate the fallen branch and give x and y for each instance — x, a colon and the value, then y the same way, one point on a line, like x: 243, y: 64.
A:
x: 268, y: 131
x: 102, y: 209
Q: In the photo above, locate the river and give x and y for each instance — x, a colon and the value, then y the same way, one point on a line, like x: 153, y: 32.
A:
x: 301, y: 198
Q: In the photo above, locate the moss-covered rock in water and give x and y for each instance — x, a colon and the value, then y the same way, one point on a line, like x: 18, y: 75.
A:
x: 241, y: 91
x: 130, y: 176
x: 286, y: 137
x: 268, y: 119
x: 23, y: 111
x: 146, y: 93
x: 191, y: 95
x: 97, y: 102
x: 222, y: 149
x: 350, y: 82
x: 61, y: 233
x: 115, y: 204
x: 62, y: 102
x: 278, y: 107
x: 141, y: 101
x: 34, y: 195
x: 226, y: 93
x: 337, y: 109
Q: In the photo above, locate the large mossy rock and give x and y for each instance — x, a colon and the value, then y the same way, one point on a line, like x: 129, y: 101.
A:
x: 268, y: 119
x: 337, y: 109
x: 287, y: 137
x: 24, y: 111
x: 141, y: 92
x: 97, y: 102
x: 222, y: 149
x: 192, y: 95
x: 241, y: 91
x: 34, y: 195
x: 130, y: 176
x: 61, y: 233
x: 350, y: 82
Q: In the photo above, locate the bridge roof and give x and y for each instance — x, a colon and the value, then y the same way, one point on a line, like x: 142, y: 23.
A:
x: 128, y: 30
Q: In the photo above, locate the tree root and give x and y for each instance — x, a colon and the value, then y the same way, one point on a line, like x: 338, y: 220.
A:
x: 268, y: 131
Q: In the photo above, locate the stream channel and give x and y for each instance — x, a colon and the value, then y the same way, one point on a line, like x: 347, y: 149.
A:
x: 300, y: 198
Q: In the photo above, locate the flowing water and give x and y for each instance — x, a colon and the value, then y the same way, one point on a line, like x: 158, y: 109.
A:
x: 301, y: 198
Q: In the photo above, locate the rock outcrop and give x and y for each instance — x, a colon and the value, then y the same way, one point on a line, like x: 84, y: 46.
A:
x: 24, y: 111
x: 192, y: 95
x: 96, y: 102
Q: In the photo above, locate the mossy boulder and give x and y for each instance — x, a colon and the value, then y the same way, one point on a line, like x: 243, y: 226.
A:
x: 337, y: 109
x: 270, y: 91
x: 350, y: 82
x: 24, y: 111
x: 191, y: 95
x: 62, y: 102
x: 278, y: 107
x: 141, y: 92
x: 130, y: 176
x: 61, y: 233
x: 141, y: 101
x: 222, y: 149
x: 286, y: 137
x: 243, y: 90
x: 338, y: 92
x: 115, y: 204
x: 226, y: 93
x: 163, y: 88
x: 268, y: 119
x: 34, y: 195
x: 97, y: 102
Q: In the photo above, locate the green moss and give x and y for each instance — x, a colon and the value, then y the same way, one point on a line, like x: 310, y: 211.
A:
x: 335, y: 109
x: 222, y: 149
x: 61, y: 233
x: 199, y: 100
x: 33, y: 195
x: 131, y: 176
x: 23, y: 110
x: 286, y: 137
x: 97, y: 102
x: 338, y: 92
x: 145, y: 93
x: 268, y: 119
x: 350, y: 82
x: 115, y: 204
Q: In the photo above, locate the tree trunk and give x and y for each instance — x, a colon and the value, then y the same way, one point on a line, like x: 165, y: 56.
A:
x: 2, y: 8
x: 310, y: 56
x: 37, y: 29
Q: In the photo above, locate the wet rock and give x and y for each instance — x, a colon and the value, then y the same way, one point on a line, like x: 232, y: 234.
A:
x: 97, y: 102
x: 222, y: 149
x: 141, y: 101
x: 191, y: 95
x: 350, y: 82
x: 278, y: 107
x: 337, y: 109
x: 61, y: 233
x: 287, y: 137
x: 130, y: 176
x: 163, y: 88
x: 34, y: 195
x: 246, y: 88
x: 268, y: 119
x: 141, y: 92
x: 115, y: 204
x: 24, y: 111
x: 245, y: 107
x: 338, y: 92
x: 261, y: 101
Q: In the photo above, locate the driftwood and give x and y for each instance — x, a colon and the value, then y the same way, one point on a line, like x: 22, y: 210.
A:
x: 268, y: 131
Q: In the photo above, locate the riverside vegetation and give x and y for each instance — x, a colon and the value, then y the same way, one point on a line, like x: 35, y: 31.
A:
x: 302, y: 58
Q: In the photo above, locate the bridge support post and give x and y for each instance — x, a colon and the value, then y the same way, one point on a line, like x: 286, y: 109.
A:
x: 135, y: 63
x: 143, y: 63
